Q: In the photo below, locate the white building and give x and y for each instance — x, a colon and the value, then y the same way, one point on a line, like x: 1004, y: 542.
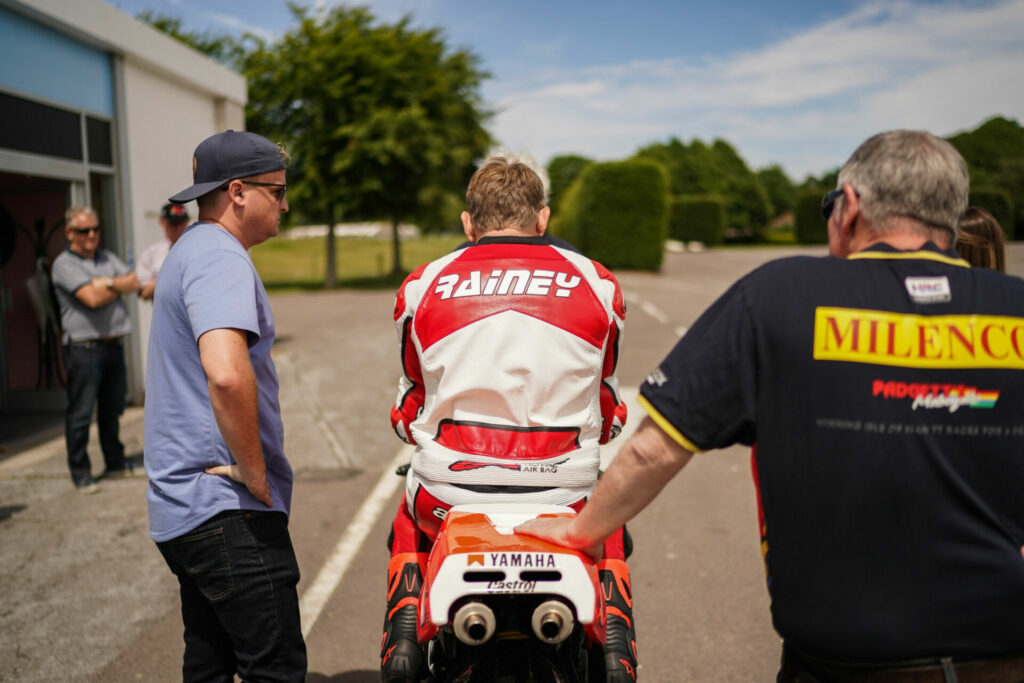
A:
x: 96, y: 108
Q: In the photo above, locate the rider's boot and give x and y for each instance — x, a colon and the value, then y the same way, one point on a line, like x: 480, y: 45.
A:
x: 620, y: 643
x: 401, y: 657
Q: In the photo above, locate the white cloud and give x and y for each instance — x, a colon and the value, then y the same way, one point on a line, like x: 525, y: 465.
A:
x: 226, y: 21
x: 236, y: 24
x: 805, y: 101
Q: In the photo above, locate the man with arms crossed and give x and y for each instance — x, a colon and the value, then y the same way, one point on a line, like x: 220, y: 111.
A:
x: 89, y: 282
x: 891, y: 472
x: 220, y: 485
x: 508, y: 354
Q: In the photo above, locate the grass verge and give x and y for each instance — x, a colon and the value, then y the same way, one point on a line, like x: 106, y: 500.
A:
x: 299, y: 264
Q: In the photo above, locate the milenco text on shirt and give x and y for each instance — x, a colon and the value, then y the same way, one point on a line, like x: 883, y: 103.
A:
x: 917, y: 341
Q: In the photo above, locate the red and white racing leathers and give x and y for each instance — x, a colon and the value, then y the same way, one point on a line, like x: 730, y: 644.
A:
x: 508, y: 350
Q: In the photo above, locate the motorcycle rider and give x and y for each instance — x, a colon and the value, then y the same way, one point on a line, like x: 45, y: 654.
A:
x: 508, y: 352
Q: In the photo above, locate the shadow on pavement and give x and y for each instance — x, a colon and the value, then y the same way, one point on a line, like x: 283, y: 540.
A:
x: 361, y: 676
x: 8, y: 510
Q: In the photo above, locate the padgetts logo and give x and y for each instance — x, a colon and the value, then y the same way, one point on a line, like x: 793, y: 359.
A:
x: 932, y: 396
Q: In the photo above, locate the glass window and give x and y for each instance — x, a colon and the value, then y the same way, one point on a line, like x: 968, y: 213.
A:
x: 97, y: 133
x: 28, y: 126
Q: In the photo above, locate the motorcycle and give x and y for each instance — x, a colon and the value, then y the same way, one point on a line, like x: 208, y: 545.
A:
x: 505, y: 608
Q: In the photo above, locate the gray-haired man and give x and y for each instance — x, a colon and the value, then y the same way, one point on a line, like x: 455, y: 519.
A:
x: 885, y: 392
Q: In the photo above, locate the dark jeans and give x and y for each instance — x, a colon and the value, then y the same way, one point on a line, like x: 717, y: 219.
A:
x: 96, y: 377
x: 238, y: 574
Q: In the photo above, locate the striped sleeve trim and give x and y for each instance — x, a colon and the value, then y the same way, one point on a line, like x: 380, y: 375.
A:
x: 667, y: 426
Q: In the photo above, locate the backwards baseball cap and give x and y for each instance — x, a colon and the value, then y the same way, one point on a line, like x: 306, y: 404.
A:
x: 174, y: 212
x: 225, y: 156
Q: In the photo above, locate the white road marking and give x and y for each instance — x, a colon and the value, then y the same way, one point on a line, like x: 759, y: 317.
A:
x: 646, y: 306
x: 653, y: 311
x: 327, y: 580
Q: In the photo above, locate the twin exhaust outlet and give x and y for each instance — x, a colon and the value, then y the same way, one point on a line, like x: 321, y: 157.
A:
x: 474, y: 622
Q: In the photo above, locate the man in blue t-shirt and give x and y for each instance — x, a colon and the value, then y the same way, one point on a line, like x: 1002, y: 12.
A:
x: 884, y: 387
x: 220, y: 485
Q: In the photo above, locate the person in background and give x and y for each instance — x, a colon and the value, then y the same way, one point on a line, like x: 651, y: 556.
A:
x: 981, y: 240
x: 883, y: 386
x: 89, y: 282
x: 173, y: 221
x: 220, y: 486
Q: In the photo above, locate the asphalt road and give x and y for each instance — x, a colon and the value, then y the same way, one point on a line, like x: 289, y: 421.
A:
x: 85, y: 596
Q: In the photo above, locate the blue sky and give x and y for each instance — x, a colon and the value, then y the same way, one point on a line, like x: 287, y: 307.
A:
x: 799, y: 84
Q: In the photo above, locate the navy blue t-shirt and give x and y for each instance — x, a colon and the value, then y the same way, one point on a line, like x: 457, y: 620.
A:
x: 885, y: 393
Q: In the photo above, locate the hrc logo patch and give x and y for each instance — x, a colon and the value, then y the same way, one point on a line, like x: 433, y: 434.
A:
x: 929, y: 290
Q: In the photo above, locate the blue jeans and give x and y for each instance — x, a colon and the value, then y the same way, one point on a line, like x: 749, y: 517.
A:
x: 238, y: 573
x: 96, y: 377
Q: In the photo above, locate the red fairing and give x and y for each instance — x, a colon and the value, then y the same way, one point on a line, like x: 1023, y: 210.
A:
x: 471, y: 532
x: 538, y: 283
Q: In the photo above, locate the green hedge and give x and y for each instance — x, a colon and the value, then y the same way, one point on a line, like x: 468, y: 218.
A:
x: 998, y: 203
x: 562, y: 173
x: 617, y: 213
x: 698, y: 218
x: 567, y: 229
x: 810, y: 226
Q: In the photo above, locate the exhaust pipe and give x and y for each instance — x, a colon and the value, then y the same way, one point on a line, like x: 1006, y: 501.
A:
x: 552, y: 622
x: 474, y: 623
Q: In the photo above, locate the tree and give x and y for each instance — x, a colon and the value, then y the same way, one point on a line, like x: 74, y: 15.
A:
x: 382, y: 120
x: 699, y: 169
x: 780, y: 189
x: 994, y: 152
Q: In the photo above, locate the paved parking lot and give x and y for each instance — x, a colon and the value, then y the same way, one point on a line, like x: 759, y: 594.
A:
x: 85, y: 596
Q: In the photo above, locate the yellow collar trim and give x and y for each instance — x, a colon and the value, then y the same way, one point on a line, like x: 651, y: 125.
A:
x: 916, y: 255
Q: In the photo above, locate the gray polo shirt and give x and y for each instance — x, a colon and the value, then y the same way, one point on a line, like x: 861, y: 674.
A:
x: 79, y: 322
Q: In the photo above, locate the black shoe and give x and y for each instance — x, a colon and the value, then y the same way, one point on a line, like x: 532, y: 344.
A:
x: 402, y: 662
x: 127, y: 472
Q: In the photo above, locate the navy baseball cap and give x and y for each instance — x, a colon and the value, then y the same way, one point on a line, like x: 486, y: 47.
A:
x: 225, y: 156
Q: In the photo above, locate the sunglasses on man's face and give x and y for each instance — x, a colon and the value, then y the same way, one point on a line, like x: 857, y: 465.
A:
x: 85, y: 231
x: 828, y: 202
x: 280, y: 193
